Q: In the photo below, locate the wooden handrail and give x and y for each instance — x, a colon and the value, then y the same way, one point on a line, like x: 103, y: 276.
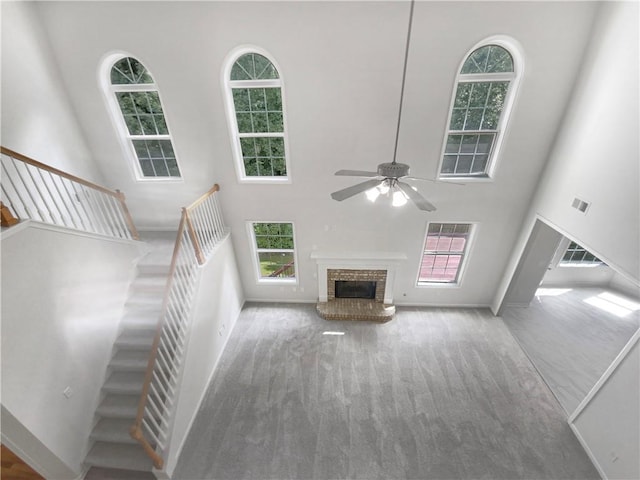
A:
x: 206, y: 195
x: 127, y: 215
x: 187, y: 235
x: 44, y: 166
x: 136, y: 429
x: 117, y: 194
x: 194, y: 237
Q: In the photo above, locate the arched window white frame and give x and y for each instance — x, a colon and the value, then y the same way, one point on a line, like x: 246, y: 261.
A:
x: 254, y: 99
x: 481, y: 104
x: 136, y: 108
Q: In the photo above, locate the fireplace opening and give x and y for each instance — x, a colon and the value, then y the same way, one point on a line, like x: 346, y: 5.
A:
x: 355, y: 289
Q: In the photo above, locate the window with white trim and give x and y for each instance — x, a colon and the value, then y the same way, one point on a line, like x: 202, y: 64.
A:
x: 274, y: 250
x: 444, y: 252
x: 147, y: 134
x: 479, y: 111
x: 257, y: 120
x: 575, y: 255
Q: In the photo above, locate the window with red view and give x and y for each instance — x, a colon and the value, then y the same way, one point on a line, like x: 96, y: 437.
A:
x: 444, y: 251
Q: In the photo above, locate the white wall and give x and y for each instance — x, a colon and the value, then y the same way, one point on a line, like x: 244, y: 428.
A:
x: 216, y: 307
x: 596, y: 156
x: 608, y: 421
x: 62, y: 298
x: 624, y: 285
x: 37, y: 118
x: 596, y: 153
x: 539, y: 251
x: 599, y: 276
x: 341, y: 64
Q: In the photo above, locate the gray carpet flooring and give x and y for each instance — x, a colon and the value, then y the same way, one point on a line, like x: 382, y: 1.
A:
x: 570, y: 341
x: 433, y: 394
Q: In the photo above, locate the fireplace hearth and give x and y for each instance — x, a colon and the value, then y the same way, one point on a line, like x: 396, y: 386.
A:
x: 377, y: 267
x: 356, y: 295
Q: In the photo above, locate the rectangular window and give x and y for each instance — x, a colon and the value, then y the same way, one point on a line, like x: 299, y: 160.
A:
x: 473, y: 128
x: 274, y: 251
x: 444, y: 251
x: 575, y: 255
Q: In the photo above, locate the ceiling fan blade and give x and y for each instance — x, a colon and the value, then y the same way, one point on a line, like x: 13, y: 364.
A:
x: 355, y: 189
x: 356, y: 173
x: 434, y: 181
x: 416, y: 198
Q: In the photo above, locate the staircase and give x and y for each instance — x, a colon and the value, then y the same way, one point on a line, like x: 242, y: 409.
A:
x: 114, y: 454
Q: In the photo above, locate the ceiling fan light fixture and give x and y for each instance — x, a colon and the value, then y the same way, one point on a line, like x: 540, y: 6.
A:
x: 372, y: 194
x: 399, y: 199
x: 383, y: 188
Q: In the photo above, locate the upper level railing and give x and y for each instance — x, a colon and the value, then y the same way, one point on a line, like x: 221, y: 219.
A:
x: 33, y: 190
x: 201, y: 229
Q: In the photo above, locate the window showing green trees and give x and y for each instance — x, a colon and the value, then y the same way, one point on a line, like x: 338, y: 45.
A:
x: 256, y: 93
x: 478, y: 105
x: 275, y: 251
x: 141, y: 108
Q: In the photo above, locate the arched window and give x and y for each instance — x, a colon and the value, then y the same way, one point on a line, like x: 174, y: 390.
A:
x: 256, y: 118
x: 480, y: 107
x: 142, y: 120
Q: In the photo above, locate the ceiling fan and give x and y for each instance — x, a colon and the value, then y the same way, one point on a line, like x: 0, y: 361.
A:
x: 388, y: 175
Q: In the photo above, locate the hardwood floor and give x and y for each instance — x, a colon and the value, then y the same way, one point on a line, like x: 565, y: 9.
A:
x: 572, y: 336
x: 432, y: 394
x: 13, y: 468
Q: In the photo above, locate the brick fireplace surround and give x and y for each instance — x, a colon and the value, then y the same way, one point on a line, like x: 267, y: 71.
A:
x: 379, y: 268
x: 378, y: 276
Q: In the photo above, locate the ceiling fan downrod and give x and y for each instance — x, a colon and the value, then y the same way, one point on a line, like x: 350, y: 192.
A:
x: 404, y: 77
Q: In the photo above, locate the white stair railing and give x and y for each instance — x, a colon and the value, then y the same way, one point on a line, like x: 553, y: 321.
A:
x: 36, y: 191
x: 201, y: 229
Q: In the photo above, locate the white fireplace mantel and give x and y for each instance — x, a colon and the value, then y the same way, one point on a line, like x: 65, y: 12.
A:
x: 358, y: 261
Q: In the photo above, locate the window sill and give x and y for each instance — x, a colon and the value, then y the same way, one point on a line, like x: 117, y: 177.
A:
x: 160, y: 179
x: 265, y: 180
x: 437, y: 285
x: 277, y: 281
x: 469, y: 179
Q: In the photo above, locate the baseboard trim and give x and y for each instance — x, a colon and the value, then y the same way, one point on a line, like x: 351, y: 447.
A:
x: 442, y: 305
x: 588, y: 451
x: 408, y: 304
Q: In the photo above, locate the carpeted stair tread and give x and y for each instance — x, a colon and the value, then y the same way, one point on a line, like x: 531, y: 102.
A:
x: 149, y: 283
x: 119, y: 406
x: 135, y: 339
x: 100, y: 473
x: 130, y: 360
x: 124, y: 382
x: 116, y: 455
x: 114, y: 430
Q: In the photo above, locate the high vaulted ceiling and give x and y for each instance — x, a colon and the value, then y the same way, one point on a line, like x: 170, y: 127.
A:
x: 341, y: 64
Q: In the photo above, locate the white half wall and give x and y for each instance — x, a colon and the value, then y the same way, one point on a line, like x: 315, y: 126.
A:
x: 607, y: 422
x: 37, y: 118
x: 62, y: 299
x: 216, y: 307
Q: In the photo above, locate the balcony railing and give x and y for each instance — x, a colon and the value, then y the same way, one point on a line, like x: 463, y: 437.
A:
x: 35, y: 191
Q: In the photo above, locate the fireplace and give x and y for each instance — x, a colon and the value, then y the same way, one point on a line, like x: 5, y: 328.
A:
x: 355, y: 289
x: 356, y: 269
x: 364, y: 284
